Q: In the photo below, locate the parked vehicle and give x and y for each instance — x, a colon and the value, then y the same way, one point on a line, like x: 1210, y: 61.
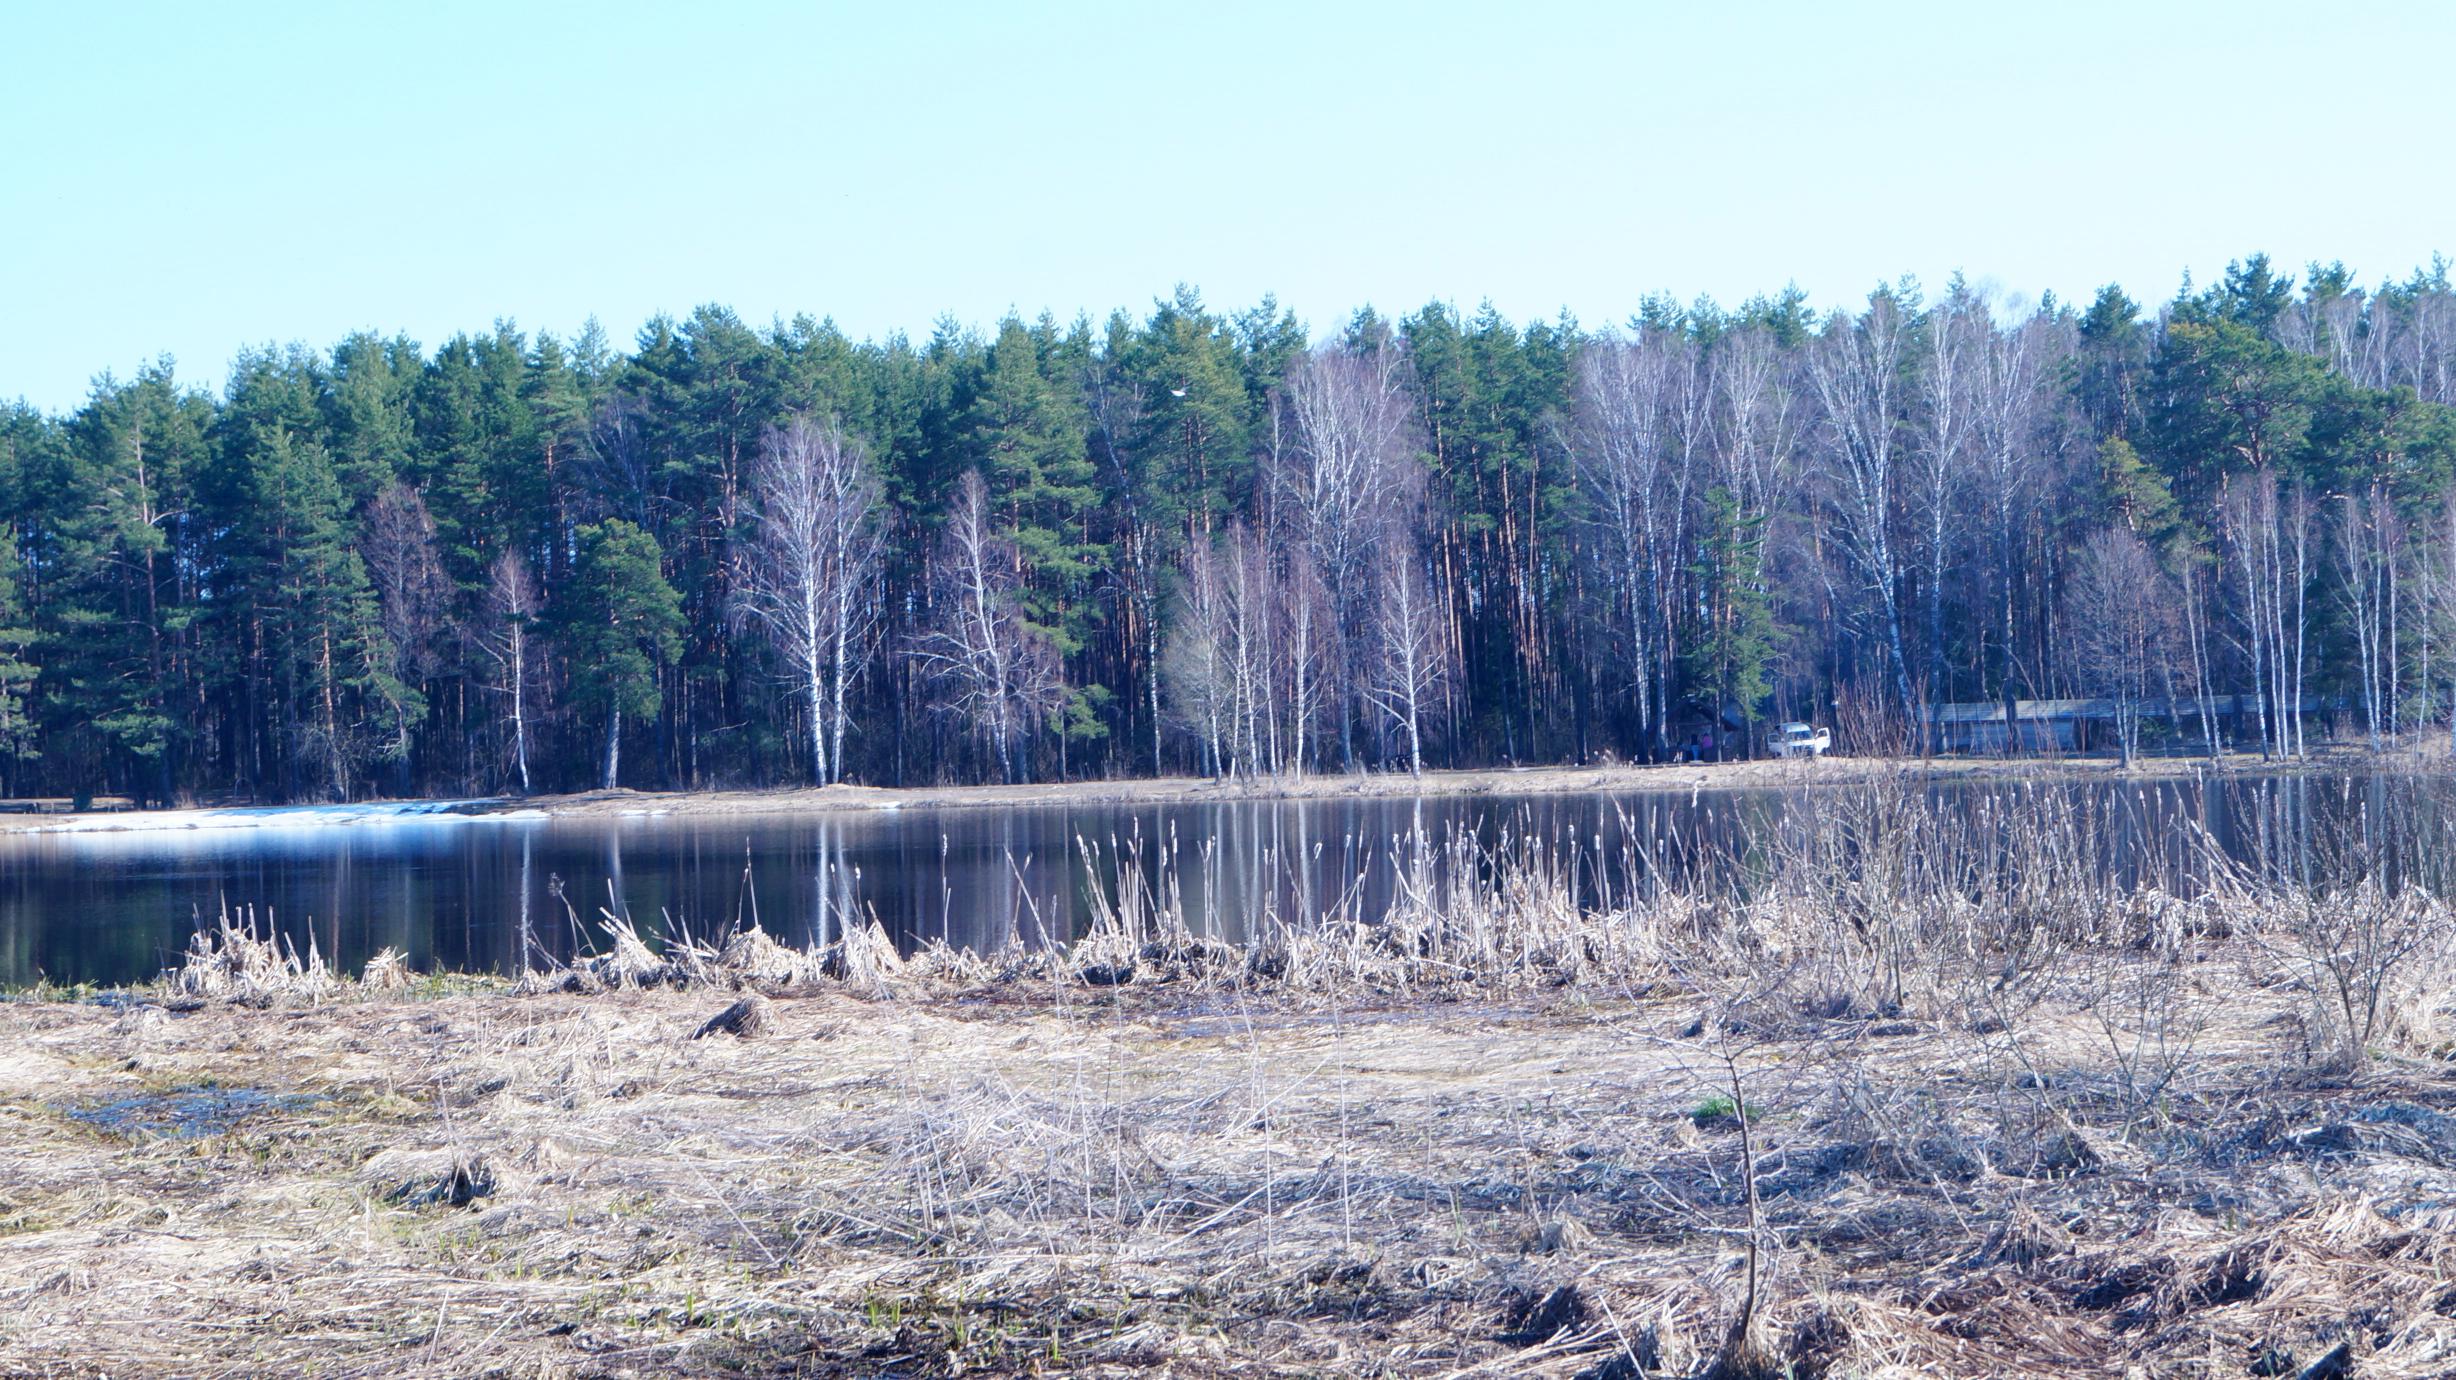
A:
x: 1802, y: 740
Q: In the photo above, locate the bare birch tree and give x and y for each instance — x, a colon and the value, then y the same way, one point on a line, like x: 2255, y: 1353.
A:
x: 511, y: 609
x: 810, y: 571
x: 1412, y: 661
x: 1958, y: 336
x: 1622, y: 440
x: 1340, y: 485
x: 1304, y: 617
x: 2370, y: 538
x: 2014, y: 368
x: 1221, y: 663
x: 2439, y: 608
x: 1757, y: 447
x: 1857, y: 367
x: 2267, y: 528
x: 1760, y: 426
x: 992, y: 671
x: 2122, y: 620
x: 1251, y: 610
x: 1194, y: 660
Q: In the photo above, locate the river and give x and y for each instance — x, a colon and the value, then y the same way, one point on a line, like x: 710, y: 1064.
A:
x: 478, y: 893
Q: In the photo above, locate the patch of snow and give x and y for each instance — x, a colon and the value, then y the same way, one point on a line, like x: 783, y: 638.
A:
x: 285, y: 817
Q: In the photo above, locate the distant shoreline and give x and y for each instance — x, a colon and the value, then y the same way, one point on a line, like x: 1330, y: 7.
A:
x: 1761, y: 774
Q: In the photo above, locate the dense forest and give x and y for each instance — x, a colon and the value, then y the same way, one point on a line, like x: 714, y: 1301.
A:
x: 1195, y: 540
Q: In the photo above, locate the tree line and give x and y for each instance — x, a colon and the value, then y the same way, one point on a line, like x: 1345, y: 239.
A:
x: 1190, y: 540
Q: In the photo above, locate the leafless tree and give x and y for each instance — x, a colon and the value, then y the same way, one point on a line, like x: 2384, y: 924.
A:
x: 2435, y: 570
x: 1195, y: 659
x: 1304, y: 619
x: 2429, y: 356
x: 2193, y: 580
x: 1959, y: 335
x: 2267, y: 527
x: 1412, y: 653
x: 618, y: 469
x: 1760, y: 428
x: 2018, y: 365
x: 1243, y: 650
x: 2370, y: 540
x: 811, y: 570
x: 398, y: 540
x: 1345, y: 482
x: 1857, y: 367
x: 1623, y: 440
x: 1252, y: 614
x: 511, y: 607
x: 992, y: 670
x: 1757, y: 445
x: 2121, y: 617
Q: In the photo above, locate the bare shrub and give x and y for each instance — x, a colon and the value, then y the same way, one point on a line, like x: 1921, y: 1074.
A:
x: 2376, y: 961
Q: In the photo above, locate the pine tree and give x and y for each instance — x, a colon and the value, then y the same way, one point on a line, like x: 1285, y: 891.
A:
x: 2136, y: 496
x: 621, y: 625
x: 1192, y: 447
x: 1026, y: 427
x: 1732, y: 649
x: 368, y: 413
x: 344, y: 703
x: 120, y: 549
x: 17, y: 669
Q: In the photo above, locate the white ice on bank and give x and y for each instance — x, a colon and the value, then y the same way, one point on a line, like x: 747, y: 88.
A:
x: 285, y: 817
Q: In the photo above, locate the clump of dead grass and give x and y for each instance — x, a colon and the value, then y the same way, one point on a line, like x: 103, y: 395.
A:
x: 231, y: 961
x: 448, y: 1178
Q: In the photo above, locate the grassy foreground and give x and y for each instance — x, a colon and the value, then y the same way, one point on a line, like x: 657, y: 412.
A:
x: 1883, y: 1119
x: 1121, y: 1183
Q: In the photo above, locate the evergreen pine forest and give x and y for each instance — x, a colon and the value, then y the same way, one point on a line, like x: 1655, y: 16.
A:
x: 1211, y: 540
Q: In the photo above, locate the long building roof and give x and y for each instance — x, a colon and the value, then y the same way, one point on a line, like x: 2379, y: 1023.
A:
x: 1992, y: 711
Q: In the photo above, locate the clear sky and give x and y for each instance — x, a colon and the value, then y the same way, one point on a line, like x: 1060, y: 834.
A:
x: 186, y: 178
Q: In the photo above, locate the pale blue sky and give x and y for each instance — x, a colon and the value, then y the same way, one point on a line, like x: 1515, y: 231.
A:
x: 188, y: 178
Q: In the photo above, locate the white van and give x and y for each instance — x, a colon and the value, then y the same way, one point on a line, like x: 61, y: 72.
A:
x: 1801, y: 740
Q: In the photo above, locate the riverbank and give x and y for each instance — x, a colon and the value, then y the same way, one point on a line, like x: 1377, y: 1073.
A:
x: 1518, y: 1143
x: 1769, y: 774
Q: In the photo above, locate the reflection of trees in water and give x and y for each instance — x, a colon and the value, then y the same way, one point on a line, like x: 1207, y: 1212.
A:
x: 617, y: 894
x: 835, y: 884
x: 119, y: 910
x: 526, y: 946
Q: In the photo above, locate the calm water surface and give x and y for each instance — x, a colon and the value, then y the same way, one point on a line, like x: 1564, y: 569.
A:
x: 114, y: 907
